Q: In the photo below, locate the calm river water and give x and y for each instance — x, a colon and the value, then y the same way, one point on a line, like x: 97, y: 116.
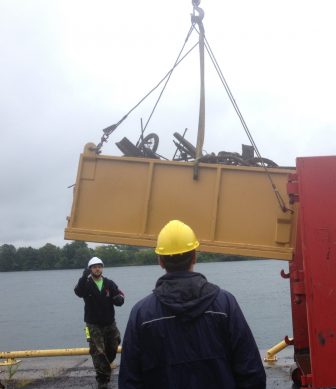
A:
x: 39, y: 310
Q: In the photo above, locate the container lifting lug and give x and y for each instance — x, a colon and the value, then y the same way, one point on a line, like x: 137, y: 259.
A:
x: 293, y: 188
x: 284, y: 275
x: 289, y: 341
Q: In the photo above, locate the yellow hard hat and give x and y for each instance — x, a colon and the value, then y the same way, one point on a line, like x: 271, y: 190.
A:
x: 176, y: 238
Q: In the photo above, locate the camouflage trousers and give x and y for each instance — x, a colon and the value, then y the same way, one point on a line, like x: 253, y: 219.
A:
x: 104, y: 342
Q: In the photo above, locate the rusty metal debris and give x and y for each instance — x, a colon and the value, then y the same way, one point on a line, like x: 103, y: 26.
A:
x: 186, y: 151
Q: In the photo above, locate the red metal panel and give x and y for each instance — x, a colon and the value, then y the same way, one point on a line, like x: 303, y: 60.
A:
x: 298, y: 300
x: 317, y: 194
x: 299, y: 311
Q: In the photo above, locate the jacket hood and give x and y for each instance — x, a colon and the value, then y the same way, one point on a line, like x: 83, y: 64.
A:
x: 186, y: 294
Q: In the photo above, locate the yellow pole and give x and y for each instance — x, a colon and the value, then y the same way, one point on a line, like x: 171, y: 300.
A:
x: 271, y: 353
x: 12, y: 355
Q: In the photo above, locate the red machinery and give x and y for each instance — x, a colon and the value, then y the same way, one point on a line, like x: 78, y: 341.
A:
x: 313, y: 271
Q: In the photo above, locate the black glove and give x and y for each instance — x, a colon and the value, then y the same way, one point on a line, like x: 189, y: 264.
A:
x: 118, y: 300
x: 86, y: 273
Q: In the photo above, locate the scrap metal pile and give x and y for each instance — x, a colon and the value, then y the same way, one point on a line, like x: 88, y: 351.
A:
x: 147, y: 146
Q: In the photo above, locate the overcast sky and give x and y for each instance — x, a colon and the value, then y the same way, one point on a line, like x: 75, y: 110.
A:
x: 70, y: 68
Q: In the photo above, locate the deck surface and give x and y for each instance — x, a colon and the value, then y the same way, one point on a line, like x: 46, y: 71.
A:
x: 78, y: 373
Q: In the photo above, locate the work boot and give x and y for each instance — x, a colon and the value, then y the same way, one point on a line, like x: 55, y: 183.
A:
x: 102, y: 385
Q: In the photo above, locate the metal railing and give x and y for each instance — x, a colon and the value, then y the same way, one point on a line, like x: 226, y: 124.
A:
x: 10, y: 357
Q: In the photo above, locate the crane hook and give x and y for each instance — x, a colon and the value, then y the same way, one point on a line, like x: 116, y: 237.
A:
x: 197, y: 18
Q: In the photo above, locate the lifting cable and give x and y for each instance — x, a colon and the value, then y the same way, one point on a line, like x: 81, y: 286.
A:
x: 200, y: 136
x: 198, y: 19
x: 108, y: 130
x: 248, y: 133
x: 168, y: 77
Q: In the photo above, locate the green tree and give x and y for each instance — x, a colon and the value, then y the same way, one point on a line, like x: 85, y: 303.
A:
x: 146, y: 257
x: 111, y: 255
x: 28, y: 258
x: 75, y: 255
x: 8, y: 258
x: 49, y: 256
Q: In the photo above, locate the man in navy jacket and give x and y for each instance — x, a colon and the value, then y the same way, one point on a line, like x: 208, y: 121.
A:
x: 188, y: 333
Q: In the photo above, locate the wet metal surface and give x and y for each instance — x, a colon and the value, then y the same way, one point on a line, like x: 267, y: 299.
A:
x: 78, y: 373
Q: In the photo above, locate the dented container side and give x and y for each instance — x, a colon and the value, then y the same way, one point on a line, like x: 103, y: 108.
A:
x: 232, y: 209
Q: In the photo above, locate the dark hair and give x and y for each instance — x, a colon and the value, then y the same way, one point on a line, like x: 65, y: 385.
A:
x: 178, y: 262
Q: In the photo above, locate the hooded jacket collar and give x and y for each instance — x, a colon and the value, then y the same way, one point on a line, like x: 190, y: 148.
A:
x: 186, y: 294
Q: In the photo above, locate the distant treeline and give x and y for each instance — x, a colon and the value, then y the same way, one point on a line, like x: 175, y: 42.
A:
x: 75, y: 255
